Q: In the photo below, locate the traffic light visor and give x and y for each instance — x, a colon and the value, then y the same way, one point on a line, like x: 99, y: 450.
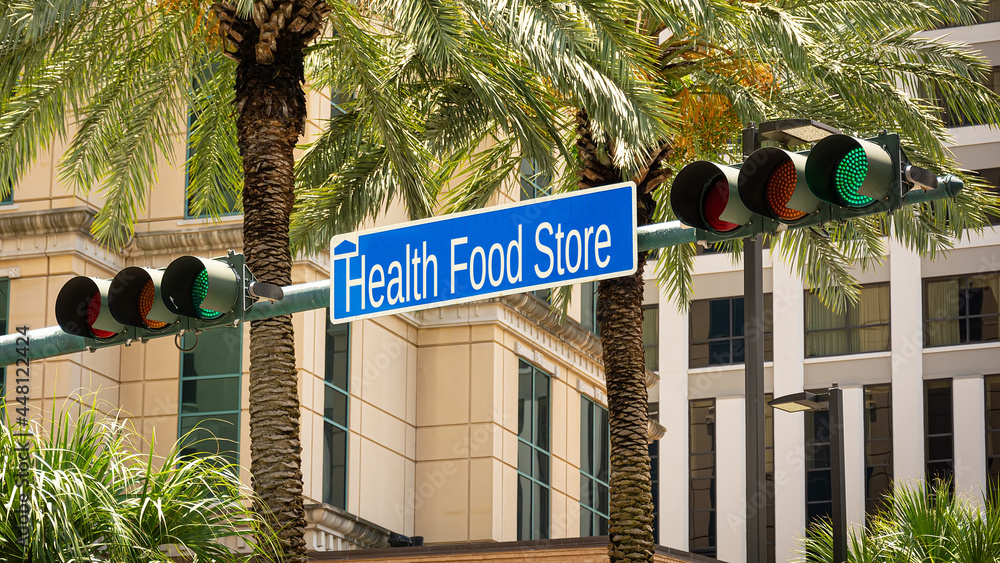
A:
x: 772, y: 183
x: 200, y: 288
x: 136, y: 300
x: 704, y: 196
x: 82, y: 308
x: 847, y: 171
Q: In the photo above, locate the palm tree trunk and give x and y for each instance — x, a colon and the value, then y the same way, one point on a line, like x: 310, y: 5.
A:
x: 272, y: 109
x: 619, y: 314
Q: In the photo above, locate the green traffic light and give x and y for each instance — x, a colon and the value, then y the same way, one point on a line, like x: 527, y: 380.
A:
x: 850, y: 175
x: 198, y: 293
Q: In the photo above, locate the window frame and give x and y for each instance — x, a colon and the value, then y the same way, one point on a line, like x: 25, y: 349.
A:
x: 526, y: 183
x: 329, y: 384
x: 964, y: 321
x: 654, y: 344
x: 236, y: 377
x: 818, y: 420
x: 768, y: 307
x: 950, y: 471
x: 587, y: 438
x: 848, y: 328
x: 535, y: 478
x: 4, y: 322
x: 712, y: 532
x: 873, y: 499
x: 588, y: 307
x: 992, y: 403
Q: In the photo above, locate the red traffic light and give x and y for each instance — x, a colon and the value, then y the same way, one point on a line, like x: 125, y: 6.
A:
x: 82, y: 309
x: 704, y: 196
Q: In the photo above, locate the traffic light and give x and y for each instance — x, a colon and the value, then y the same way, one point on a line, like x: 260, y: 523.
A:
x: 191, y: 293
x: 82, y: 309
x: 841, y: 177
x: 136, y: 299
x: 708, y: 199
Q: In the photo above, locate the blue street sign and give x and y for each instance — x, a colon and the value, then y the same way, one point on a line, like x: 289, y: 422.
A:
x: 536, y: 244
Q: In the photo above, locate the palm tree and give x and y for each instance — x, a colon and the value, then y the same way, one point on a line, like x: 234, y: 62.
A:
x: 917, y: 523
x: 93, y: 497
x: 733, y: 63
x: 123, y: 72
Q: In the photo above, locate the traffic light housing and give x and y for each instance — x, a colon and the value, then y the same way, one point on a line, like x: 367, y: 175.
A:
x: 709, y: 200
x: 82, y: 309
x: 191, y: 293
x: 840, y: 178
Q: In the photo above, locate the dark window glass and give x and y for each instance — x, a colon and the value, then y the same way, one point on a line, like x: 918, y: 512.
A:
x: 818, y: 477
x: 651, y: 336
x: 335, y: 412
x: 992, y: 175
x: 533, y: 454
x: 588, y: 307
x: 701, y: 494
x: 7, y: 198
x: 534, y: 182
x: 991, y: 13
x: 938, y: 430
x: 718, y: 330
x: 962, y: 309
x: 861, y: 327
x: 211, y: 377
x: 595, y: 460
x: 993, y: 435
x: 4, y: 312
x: 878, y: 446
x: 955, y: 116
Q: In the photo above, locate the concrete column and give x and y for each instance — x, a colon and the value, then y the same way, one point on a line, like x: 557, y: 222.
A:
x: 969, y: 407
x: 906, y: 311
x: 789, y: 428
x: 854, y: 454
x: 674, y: 458
x: 730, y: 479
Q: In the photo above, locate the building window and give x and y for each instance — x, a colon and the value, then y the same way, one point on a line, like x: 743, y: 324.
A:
x: 993, y: 435
x: 534, y: 182
x: 939, y: 447
x: 651, y: 336
x: 532, y: 453
x: 8, y: 198
x: 992, y: 175
x: 4, y: 312
x: 991, y: 13
x: 962, y: 309
x: 819, y: 496
x: 861, y: 327
x: 702, y: 486
x: 588, y: 307
x: 718, y: 331
x: 336, y: 384
x: 338, y: 104
x: 654, y: 479
x: 878, y: 446
x: 595, y: 461
x: 769, y: 475
x: 211, y: 379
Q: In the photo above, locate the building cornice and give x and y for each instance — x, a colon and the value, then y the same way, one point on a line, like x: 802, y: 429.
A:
x: 222, y: 236
x: 328, y: 528
x: 566, y: 328
x: 46, y: 222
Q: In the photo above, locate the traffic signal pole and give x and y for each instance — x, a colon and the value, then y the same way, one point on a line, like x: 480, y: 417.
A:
x: 753, y: 311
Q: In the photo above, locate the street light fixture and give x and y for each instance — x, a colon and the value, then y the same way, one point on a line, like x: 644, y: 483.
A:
x: 807, y: 401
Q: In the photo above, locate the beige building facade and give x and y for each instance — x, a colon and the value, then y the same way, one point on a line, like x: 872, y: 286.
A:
x: 446, y: 423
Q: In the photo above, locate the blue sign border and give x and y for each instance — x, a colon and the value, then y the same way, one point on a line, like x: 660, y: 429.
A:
x: 353, y: 237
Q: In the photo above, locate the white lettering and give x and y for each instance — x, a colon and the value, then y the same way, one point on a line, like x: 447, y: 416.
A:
x: 499, y: 278
x: 514, y: 245
x: 579, y: 251
x: 373, y: 285
x: 428, y: 260
x: 598, y: 245
x: 456, y: 266
x: 472, y: 268
x: 544, y: 250
x: 396, y: 281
